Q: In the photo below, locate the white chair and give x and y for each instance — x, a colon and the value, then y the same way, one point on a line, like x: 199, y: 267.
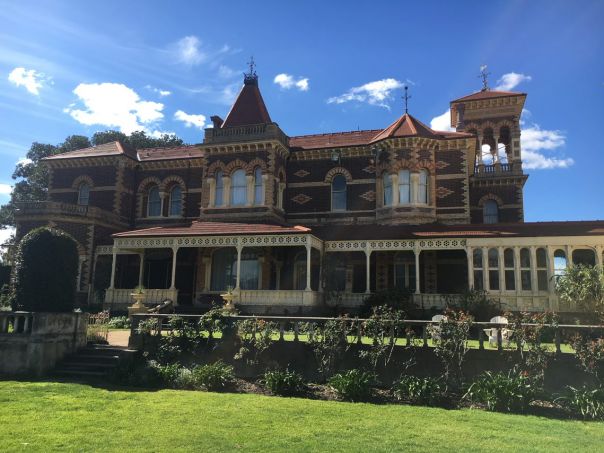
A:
x: 435, y: 327
x: 492, y: 332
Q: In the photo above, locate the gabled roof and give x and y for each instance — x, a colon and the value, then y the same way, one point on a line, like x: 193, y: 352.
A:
x: 409, y: 126
x: 249, y: 107
x: 488, y: 94
x: 106, y: 149
x: 198, y: 228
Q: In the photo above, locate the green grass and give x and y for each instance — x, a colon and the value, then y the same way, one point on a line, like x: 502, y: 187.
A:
x: 44, y: 416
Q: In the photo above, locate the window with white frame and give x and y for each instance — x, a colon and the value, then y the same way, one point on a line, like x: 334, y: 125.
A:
x: 258, y: 187
x: 84, y: 194
x: 490, y: 212
x: 493, y: 256
x: 238, y: 188
x: 175, y: 201
x: 541, y: 256
x: 510, y: 271
x: 338, y: 193
x: 422, y: 192
x: 478, y: 269
x: 525, y: 269
x: 387, y: 183
x: 153, y: 202
x: 404, y: 187
x: 219, y: 193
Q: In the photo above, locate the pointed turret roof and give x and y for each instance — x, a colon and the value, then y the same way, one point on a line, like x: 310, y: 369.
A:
x: 406, y: 126
x: 249, y: 107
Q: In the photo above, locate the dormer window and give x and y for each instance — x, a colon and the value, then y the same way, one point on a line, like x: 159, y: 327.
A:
x: 238, y: 188
x: 154, y: 202
x: 83, y: 194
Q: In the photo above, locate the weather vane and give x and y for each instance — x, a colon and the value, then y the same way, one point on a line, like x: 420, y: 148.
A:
x: 252, y: 66
x: 484, y: 75
x: 406, y: 98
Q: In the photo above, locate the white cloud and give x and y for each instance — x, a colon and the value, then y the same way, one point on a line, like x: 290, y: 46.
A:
x: 188, y: 51
x: 24, y: 161
x: 161, y: 93
x: 374, y: 93
x: 5, y: 234
x: 114, y: 105
x: 536, y: 142
x: 287, y: 81
x: 511, y: 80
x: 442, y: 122
x: 31, y: 79
x: 190, y: 120
x: 5, y: 189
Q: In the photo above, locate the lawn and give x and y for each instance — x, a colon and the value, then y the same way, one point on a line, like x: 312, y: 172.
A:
x: 44, y: 416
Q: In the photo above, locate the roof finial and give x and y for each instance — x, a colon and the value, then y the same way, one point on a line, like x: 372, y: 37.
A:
x: 484, y: 75
x: 406, y: 98
x: 251, y: 76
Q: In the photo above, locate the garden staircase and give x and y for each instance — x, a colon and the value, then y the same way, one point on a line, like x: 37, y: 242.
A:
x: 94, y: 361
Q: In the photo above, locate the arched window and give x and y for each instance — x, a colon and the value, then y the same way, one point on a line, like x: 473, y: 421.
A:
x: 560, y: 262
x: 258, y: 188
x: 153, y: 202
x: 175, y: 201
x: 525, y: 269
x: 387, y: 182
x: 493, y: 256
x: 219, y: 195
x: 84, y: 194
x: 338, y: 193
x: 478, y: 269
x: 422, y: 194
x: 541, y: 269
x: 404, y: 186
x: 585, y: 257
x: 490, y: 212
x: 510, y: 272
x: 238, y: 188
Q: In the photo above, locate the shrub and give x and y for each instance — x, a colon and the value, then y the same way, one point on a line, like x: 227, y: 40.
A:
x: 329, y: 343
x: 138, y: 372
x: 46, y: 268
x: 503, y: 392
x: 584, y: 401
x: 213, y: 377
x: 283, y: 382
x: 394, y: 298
x: 119, y: 322
x: 584, y: 286
x: 476, y: 303
x: 419, y: 390
x: 256, y: 336
x: 353, y: 385
x: 383, y: 327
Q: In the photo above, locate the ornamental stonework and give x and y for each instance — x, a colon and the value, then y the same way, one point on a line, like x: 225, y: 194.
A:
x: 441, y: 164
x: 369, y: 169
x: 301, y: 173
x: 369, y: 195
x: 443, y: 192
x: 301, y: 199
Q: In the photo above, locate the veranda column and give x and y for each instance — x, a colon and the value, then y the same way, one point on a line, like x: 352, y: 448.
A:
x: 113, y: 263
x: 470, y: 259
x: 207, y: 263
x: 308, y: 256
x: 368, y: 276
x: 238, y: 278
x: 141, y: 267
x: 598, y: 255
x: 534, y: 282
x: 417, y: 251
x: 485, y: 269
x: 517, y: 270
x: 550, y: 269
x: 569, y: 255
x: 173, y: 280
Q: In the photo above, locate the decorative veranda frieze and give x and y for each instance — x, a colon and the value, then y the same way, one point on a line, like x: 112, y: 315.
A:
x: 385, y: 245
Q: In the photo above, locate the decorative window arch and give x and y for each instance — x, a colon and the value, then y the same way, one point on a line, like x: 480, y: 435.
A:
x: 258, y: 187
x: 490, y: 212
x: 153, y: 202
x: 84, y: 194
x: 387, y: 185
x: 238, y: 188
x: 338, y: 193
x: 234, y: 166
x: 216, y: 167
x: 404, y: 186
x: 334, y: 172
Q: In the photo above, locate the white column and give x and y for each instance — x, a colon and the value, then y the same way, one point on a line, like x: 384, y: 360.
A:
x: 534, y: 286
x: 500, y: 251
x: 599, y: 255
x: 368, y: 267
x: 207, y: 262
x: 495, y: 151
x: 308, y: 257
x: 113, y: 263
x: 239, y: 249
x: 550, y: 269
x: 141, y: 268
x: 517, y: 270
x: 485, y: 269
x: 174, y: 255
x: 416, y: 251
x: 470, y: 256
x: 569, y: 256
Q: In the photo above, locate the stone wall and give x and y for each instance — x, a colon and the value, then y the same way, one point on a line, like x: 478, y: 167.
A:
x: 33, y: 343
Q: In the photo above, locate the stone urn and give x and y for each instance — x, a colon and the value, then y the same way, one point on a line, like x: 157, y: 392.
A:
x: 138, y: 296
x: 228, y: 298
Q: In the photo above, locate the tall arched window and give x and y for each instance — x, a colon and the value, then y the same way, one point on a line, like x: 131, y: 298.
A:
x: 510, y: 272
x: 525, y: 269
x: 84, y: 194
x: 219, y: 195
x: 478, y: 269
x: 238, y: 188
x: 404, y: 186
x: 422, y: 193
x: 560, y: 262
x: 490, y: 212
x: 387, y: 183
x: 175, y: 201
x: 338, y: 193
x: 541, y: 256
x: 153, y: 202
x: 493, y: 256
x: 258, y: 187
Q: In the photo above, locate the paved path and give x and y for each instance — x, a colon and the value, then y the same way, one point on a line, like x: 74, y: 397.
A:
x: 118, y: 337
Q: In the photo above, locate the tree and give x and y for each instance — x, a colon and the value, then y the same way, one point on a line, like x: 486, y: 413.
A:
x: 584, y: 286
x: 46, y: 269
x: 136, y: 140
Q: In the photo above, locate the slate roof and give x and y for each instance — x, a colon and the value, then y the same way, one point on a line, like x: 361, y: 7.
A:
x: 249, y: 107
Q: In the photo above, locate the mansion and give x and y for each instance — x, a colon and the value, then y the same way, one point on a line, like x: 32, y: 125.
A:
x: 295, y: 224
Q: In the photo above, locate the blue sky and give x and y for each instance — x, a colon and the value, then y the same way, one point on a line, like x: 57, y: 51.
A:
x: 79, y: 67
